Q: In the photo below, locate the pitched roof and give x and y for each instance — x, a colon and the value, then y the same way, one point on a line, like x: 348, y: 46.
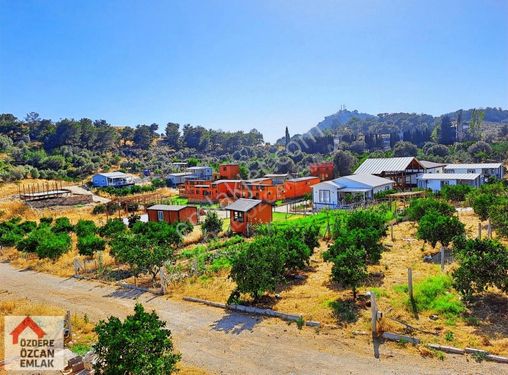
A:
x: 380, y: 165
x: 473, y: 166
x: 167, y: 207
x: 303, y: 178
x: 448, y: 176
x: 198, y: 168
x: 430, y: 164
x: 113, y: 174
x: 243, y: 205
x: 179, y: 174
x: 366, y: 179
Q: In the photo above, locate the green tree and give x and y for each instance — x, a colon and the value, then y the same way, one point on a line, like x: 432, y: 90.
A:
x: 85, y: 228
x: 403, y: 149
x: 482, y: 264
x: 62, y: 224
x: 419, y: 207
x: 173, y: 134
x: 89, y: 244
x: 434, y: 227
x: 344, y: 162
x: 481, y: 203
x: 349, y: 268
x: 447, y: 134
x: 112, y: 228
x: 456, y: 193
x: 212, y: 224
x: 140, y: 345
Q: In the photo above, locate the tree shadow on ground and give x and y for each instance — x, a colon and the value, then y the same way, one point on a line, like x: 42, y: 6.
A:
x: 126, y: 293
x: 489, y: 313
x: 235, y: 323
x: 347, y: 311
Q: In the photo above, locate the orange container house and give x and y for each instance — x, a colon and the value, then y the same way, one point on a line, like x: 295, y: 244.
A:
x: 226, y: 188
x: 172, y: 213
x: 229, y: 171
x: 245, y: 213
x: 205, y: 193
x: 266, y: 192
x: 298, y: 187
x: 325, y: 171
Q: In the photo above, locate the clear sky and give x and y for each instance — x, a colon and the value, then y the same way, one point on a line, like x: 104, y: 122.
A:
x: 250, y: 64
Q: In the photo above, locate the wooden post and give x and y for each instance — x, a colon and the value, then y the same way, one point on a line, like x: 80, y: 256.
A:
x: 68, y: 325
x: 163, y: 280
x: 410, y: 283
x: 373, y: 313
x: 489, y: 230
x: 391, y: 232
x: 442, y: 258
x: 480, y: 231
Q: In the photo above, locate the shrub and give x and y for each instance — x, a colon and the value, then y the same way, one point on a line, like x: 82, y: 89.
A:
x: 112, y: 228
x: 434, y: 227
x: 45, y: 243
x: 481, y: 203
x: 89, y: 244
x: 212, y: 223
x: 62, y: 224
x: 456, y: 193
x: 118, y: 345
x: 482, y: 264
x: 46, y: 220
x: 434, y: 294
x: 499, y: 216
x: 85, y: 227
x: 419, y: 207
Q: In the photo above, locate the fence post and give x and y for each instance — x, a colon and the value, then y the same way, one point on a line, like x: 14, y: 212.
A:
x: 410, y: 283
x: 479, y: 230
x: 391, y: 232
x: 489, y: 230
x: 163, y: 280
x: 442, y: 257
x: 373, y: 313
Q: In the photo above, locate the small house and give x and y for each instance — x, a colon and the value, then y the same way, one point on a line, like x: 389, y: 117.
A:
x: 172, y: 214
x: 112, y: 179
x: 486, y: 170
x: 325, y: 171
x: 347, y: 189
x: 229, y: 171
x: 403, y: 171
x: 178, y: 178
x: 245, y: 213
x: 200, y: 173
x: 299, y: 187
x: 436, y: 181
x: 265, y: 192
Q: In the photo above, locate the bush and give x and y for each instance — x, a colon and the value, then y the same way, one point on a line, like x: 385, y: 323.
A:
x: 212, y: 223
x: 349, y: 268
x: 434, y: 294
x: 481, y: 203
x: 85, y: 228
x: 456, y: 193
x: 419, y: 207
x: 498, y: 213
x: 52, y: 245
x: 435, y: 227
x: 89, y: 244
x: 482, y: 264
x: 140, y: 344
x: 112, y: 228
x: 62, y: 225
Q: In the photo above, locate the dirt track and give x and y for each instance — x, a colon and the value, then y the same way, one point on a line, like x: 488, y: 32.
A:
x: 229, y: 343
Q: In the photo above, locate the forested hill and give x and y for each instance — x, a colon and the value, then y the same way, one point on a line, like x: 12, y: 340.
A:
x: 358, y: 122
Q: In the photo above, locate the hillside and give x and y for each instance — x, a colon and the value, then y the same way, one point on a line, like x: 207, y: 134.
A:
x: 338, y: 119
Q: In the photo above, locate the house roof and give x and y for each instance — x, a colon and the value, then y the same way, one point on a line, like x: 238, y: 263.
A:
x: 224, y: 181
x: 275, y: 175
x: 179, y: 174
x: 430, y: 164
x: 243, y: 205
x: 256, y: 180
x: 449, y: 176
x: 366, y: 179
x: 380, y: 165
x: 473, y: 166
x: 113, y: 174
x: 303, y: 178
x: 198, y: 168
x: 167, y: 207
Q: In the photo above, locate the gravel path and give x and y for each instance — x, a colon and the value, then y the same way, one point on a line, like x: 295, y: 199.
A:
x: 230, y: 343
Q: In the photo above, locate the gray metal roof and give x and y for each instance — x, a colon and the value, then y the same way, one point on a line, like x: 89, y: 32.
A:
x: 380, y: 165
x: 199, y: 168
x: 179, y: 174
x: 254, y: 180
x: 276, y: 175
x: 114, y: 174
x: 367, y: 179
x: 167, y: 207
x: 473, y: 166
x: 449, y: 176
x: 243, y: 205
x: 430, y: 164
x: 302, y: 178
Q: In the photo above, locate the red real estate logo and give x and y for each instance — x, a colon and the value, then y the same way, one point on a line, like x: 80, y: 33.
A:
x: 26, y: 323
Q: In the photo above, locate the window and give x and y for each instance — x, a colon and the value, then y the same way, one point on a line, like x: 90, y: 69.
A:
x: 324, y: 196
x: 238, y: 216
x: 160, y: 215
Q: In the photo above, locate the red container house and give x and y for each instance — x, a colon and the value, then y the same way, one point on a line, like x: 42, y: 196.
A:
x: 245, y: 213
x: 229, y: 171
x: 172, y: 213
x: 325, y: 171
x: 298, y: 187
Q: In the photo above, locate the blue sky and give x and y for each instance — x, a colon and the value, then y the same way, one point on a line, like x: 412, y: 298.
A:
x: 250, y: 64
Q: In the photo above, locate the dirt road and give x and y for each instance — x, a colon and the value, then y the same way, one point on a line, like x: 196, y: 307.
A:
x: 229, y: 343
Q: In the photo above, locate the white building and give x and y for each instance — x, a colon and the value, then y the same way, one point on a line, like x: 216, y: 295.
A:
x: 178, y: 178
x: 436, y: 181
x: 200, y: 173
x: 334, y: 193
x: 114, y: 179
x: 484, y: 169
x: 402, y: 170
